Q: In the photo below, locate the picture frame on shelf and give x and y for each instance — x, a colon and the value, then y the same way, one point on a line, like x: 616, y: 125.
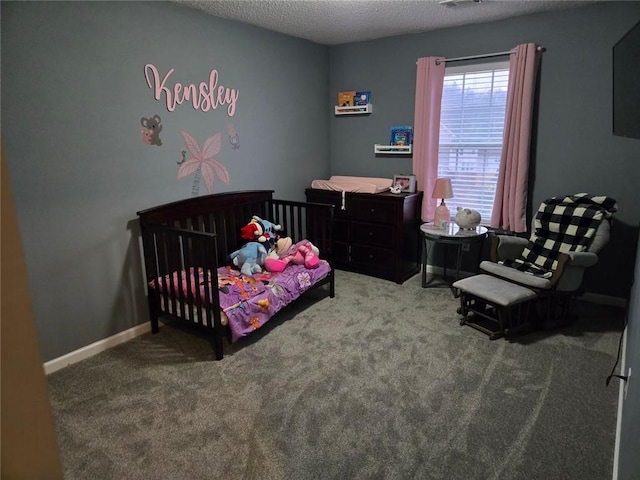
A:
x: 401, y: 135
x: 345, y: 99
x: 362, y: 98
x: 407, y: 183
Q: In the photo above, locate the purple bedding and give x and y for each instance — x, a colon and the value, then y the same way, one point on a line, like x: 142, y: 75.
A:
x: 247, y: 302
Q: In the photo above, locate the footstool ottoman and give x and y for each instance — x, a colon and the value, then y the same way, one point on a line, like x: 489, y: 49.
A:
x: 499, y: 307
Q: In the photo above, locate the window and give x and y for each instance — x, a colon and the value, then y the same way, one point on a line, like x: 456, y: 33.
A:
x: 474, y: 101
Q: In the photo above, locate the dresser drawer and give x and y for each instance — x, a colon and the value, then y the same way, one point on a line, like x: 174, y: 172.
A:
x: 373, y: 210
x: 374, y: 258
x: 373, y: 234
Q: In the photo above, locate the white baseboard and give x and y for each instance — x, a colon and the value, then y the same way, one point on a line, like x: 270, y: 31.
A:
x: 95, y: 348
x: 616, y: 450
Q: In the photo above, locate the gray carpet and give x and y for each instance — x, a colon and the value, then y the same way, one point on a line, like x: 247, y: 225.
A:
x: 380, y: 382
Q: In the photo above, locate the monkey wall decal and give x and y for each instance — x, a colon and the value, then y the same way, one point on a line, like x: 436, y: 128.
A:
x: 234, y: 138
x: 151, y: 131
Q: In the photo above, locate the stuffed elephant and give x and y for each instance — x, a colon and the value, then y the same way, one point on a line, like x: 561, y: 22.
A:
x: 249, y: 258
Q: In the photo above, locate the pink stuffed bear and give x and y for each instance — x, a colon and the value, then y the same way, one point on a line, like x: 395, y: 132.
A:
x: 301, y: 253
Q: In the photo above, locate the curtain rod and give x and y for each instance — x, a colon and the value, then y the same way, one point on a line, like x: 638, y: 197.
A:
x: 540, y: 48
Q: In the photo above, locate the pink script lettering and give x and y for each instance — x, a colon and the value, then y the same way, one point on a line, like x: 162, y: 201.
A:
x: 205, y: 96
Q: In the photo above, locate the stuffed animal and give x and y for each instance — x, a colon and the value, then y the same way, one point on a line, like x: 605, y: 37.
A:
x: 468, y: 219
x: 301, y: 253
x: 249, y: 258
x: 281, y: 245
x: 259, y: 230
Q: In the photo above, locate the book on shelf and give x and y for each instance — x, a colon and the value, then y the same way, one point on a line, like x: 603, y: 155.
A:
x: 362, y: 98
x: 401, y: 135
x: 345, y: 99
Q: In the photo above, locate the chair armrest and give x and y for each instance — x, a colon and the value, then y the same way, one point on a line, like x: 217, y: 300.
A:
x: 504, y: 247
x: 569, y: 271
x: 569, y: 278
x: 582, y: 259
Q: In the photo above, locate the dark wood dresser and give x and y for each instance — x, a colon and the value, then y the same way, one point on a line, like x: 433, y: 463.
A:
x: 375, y: 234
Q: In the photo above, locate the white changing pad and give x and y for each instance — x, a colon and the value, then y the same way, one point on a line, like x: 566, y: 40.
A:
x: 343, y: 183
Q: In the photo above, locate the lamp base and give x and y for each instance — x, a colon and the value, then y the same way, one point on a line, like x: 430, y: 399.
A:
x: 443, y: 216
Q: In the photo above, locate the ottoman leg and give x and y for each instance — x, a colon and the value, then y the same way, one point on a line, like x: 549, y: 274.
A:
x: 461, y: 309
x: 503, y: 315
x: 498, y: 307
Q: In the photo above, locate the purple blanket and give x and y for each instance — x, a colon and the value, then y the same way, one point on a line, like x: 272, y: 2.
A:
x: 248, y: 302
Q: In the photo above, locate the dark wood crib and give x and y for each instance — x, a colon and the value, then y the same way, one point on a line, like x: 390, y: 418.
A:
x: 200, y: 232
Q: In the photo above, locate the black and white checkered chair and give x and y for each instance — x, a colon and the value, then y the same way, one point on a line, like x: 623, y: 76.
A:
x: 543, y: 273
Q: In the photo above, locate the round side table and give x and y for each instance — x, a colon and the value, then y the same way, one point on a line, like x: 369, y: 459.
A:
x: 451, y: 235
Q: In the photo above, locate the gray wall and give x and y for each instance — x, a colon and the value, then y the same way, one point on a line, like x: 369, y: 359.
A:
x: 574, y: 148
x: 73, y: 94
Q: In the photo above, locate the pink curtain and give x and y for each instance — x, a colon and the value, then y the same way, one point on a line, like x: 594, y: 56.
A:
x: 426, y: 128
x: 510, y: 204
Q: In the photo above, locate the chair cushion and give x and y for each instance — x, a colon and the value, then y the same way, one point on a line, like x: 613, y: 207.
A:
x: 513, y: 275
x: 494, y: 290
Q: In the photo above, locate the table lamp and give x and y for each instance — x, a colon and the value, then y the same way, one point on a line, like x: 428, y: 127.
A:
x: 442, y: 189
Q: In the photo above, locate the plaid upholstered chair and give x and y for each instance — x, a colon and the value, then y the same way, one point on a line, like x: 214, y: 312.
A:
x: 567, y: 235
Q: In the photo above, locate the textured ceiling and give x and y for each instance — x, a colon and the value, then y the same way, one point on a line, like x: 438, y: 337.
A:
x: 332, y: 22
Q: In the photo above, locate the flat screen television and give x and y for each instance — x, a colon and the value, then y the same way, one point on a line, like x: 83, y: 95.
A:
x: 626, y: 84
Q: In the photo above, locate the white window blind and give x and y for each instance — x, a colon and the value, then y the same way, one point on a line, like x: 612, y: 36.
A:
x: 471, y: 127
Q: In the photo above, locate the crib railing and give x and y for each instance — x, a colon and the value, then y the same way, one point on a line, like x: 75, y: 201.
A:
x: 191, y: 238
x: 181, y: 272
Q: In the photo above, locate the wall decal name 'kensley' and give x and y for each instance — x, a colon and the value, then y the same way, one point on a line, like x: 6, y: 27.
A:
x: 205, y: 96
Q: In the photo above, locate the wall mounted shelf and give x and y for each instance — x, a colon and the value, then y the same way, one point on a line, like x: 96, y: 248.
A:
x: 392, y: 149
x: 354, y: 110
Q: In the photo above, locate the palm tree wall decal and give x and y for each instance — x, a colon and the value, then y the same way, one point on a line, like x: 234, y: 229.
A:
x: 203, y: 163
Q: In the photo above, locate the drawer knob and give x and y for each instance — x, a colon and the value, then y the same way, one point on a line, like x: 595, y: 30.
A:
x: 371, y: 234
x: 373, y: 210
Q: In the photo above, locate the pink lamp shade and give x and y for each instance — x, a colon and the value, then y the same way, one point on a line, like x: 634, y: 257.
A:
x: 442, y: 189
